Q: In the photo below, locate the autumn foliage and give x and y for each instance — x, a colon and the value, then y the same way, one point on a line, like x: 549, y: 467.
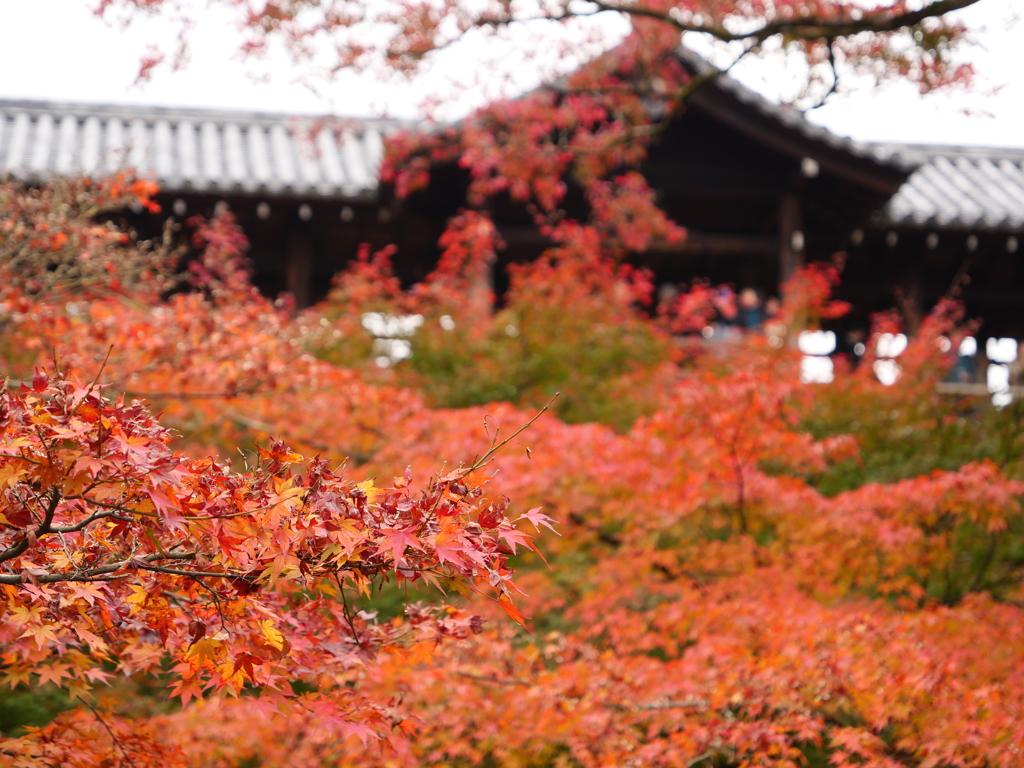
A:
x: 193, y: 591
x: 236, y: 535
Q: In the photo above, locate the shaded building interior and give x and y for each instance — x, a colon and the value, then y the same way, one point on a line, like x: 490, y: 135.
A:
x: 759, y: 189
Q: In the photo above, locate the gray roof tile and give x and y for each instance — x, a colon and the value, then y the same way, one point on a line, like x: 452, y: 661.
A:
x: 260, y: 153
x: 189, y: 149
x: 958, y: 188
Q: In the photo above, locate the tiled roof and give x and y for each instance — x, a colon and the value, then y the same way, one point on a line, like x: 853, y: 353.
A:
x: 948, y: 187
x: 195, y: 150
x: 958, y: 188
x: 793, y: 119
x: 261, y: 153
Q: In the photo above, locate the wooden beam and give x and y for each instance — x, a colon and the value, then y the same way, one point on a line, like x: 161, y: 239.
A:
x: 792, y: 243
x: 967, y: 389
x: 720, y: 245
x: 298, y: 268
x: 695, y: 242
x: 771, y: 133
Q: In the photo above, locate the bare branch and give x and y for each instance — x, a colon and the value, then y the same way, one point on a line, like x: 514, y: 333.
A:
x: 44, y: 527
x: 489, y: 455
x: 694, y: 704
x: 802, y: 27
x: 103, y: 572
x: 495, y: 680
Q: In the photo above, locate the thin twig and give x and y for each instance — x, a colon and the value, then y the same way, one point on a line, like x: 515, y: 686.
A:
x: 113, y: 736
x: 694, y: 704
x: 802, y: 27
x: 495, y: 680
x: 95, y: 380
x: 488, y: 456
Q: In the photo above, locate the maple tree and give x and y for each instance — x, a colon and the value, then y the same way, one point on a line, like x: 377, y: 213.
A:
x: 122, y: 555
x: 54, y: 241
x: 706, y: 604
x: 744, y: 577
x: 464, y: 353
x: 591, y: 128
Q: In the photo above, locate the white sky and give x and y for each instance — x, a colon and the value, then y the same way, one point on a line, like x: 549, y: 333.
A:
x: 57, y: 50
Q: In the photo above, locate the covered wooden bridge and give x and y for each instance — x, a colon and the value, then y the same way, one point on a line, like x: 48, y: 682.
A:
x: 760, y: 189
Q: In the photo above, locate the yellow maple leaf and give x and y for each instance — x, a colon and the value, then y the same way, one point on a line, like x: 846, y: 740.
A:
x: 11, y: 473
x: 272, y: 634
x: 204, y: 649
x: 371, y: 492
x: 137, y: 598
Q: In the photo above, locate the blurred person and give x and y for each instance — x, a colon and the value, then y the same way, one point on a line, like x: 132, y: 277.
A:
x: 667, y: 295
x: 749, y: 313
x: 964, y: 370
x: 723, y: 326
x: 772, y: 327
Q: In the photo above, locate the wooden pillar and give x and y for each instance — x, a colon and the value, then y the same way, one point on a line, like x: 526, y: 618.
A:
x: 791, y: 237
x: 298, y: 267
x: 913, y: 314
x: 481, y: 278
x: 481, y: 287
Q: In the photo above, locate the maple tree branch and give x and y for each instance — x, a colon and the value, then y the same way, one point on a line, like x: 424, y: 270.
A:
x: 196, y: 395
x: 20, y: 547
x: 216, y: 603
x: 695, y: 704
x: 835, y: 75
x: 802, y: 27
x: 195, y: 574
x: 17, y: 383
x: 51, y: 510
x: 130, y: 511
x: 109, y: 571
x: 495, y: 680
x: 495, y: 447
x: 808, y: 27
x: 113, y: 736
x: 96, y: 378
x: 346, y: 611
x: 81, y: 525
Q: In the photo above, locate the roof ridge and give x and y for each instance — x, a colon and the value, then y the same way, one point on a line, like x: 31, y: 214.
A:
x: 927, y: 152
x: 131, y: 111
x: 887, y: 152
x: 211, y: 151
x: 790, y: 117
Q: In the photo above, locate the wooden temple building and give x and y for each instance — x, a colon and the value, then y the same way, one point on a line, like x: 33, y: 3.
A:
x: 760, y: 189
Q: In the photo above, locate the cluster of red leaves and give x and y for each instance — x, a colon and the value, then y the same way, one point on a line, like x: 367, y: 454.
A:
x: 361, y: 35
x: 702, y: 609
x: 808, y: 297
x: 226, y: 366
x: 725, y: 614
x: 706, y: 606
x: 53, y: 239
x: 691, y: 637
x: 592, y: 128
x: 578, y: 268
x: 368, y: 282
x: 460, y: 282
x: 122, y: 556
x: 530, y: 148
x: 221, y: 267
